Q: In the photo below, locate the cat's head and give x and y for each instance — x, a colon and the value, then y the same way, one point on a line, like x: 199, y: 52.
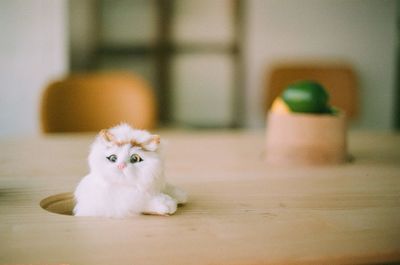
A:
x: 125, y: 155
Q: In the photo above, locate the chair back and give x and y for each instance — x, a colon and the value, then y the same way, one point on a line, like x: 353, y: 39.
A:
x: 339, y: 80
x: 91, y: 102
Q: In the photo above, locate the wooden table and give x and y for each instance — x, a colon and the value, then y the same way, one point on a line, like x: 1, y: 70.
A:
x: 241, y: 210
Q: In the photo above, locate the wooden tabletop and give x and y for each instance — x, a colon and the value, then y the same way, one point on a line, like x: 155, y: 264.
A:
x: 241, y: 210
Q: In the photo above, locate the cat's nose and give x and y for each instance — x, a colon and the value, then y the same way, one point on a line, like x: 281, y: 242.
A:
x: 122, y: 166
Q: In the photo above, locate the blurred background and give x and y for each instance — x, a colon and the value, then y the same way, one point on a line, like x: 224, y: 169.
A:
x: 206, y: 60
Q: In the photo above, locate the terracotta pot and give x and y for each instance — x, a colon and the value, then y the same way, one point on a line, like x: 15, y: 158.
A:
x: 306, y: 139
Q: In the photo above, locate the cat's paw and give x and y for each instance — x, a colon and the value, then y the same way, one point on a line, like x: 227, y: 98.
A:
x: 162, y: 204
x: 178, y: 194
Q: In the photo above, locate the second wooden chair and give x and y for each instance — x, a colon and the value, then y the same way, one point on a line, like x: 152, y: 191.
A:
x: 339, y: 80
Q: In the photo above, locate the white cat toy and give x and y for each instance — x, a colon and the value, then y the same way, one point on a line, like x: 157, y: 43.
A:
x: 126, y: 177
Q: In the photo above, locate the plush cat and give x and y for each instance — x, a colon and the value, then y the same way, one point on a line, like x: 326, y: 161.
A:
x: 126, y: 177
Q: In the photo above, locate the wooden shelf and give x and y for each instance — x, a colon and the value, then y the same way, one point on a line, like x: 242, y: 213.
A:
x: 163, y: 49
x: 148, y: 50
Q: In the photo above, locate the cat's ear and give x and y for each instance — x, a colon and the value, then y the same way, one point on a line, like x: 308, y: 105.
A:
x: 106, y: 136
x: 152, y: 144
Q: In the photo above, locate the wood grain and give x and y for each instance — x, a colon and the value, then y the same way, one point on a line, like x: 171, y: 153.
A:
x: 241, y: 210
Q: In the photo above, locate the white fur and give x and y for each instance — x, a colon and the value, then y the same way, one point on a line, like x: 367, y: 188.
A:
x: 138, y: 188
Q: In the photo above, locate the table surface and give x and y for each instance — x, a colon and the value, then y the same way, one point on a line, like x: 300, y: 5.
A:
x: 241, y: 210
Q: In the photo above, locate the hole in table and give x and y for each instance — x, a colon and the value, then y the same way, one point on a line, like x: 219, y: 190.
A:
x: 62, y: 203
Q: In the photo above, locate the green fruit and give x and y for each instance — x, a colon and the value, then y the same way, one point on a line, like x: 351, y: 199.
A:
x: 306, y: 96
x: 332, y: 110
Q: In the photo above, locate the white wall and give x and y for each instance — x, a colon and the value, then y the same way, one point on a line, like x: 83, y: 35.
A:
x: 362, y: 32
x: 33, y: 50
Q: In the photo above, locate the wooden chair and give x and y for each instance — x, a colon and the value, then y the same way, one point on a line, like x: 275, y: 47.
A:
x: 91, y: 102
x: 338, y: 79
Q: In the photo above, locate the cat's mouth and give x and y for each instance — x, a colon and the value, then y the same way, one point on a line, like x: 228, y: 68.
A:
x: 124, y: 176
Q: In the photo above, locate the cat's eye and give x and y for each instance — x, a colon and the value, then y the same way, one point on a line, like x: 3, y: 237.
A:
x: 135, y: 158
x: 112, y: 158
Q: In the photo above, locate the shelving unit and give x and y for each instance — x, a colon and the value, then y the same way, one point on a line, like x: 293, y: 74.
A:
x: 190, y: 51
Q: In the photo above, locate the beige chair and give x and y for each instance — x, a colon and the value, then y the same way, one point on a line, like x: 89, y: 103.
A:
x: 339, y: 80
x: 91, y: 102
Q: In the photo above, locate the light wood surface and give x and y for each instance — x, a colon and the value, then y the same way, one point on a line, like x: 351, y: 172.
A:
x: 241, y: 210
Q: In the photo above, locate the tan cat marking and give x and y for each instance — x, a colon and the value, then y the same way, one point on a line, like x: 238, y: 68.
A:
x: 109, y: 137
